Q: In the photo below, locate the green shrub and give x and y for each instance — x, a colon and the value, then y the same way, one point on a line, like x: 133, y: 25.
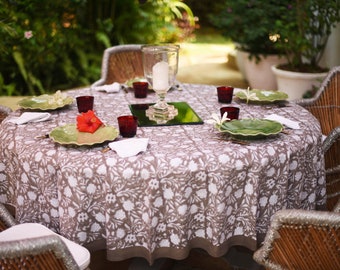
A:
x: 250, y: 24
x: 51, y: 45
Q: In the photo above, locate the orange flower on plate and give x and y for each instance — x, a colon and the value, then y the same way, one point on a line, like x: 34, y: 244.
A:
x: 88, y: 122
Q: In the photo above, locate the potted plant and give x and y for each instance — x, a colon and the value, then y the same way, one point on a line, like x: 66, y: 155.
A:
x: 249, y: 24
x: 301, y: 33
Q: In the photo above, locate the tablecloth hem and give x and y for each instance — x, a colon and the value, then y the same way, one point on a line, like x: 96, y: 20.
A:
x: 181, y: 253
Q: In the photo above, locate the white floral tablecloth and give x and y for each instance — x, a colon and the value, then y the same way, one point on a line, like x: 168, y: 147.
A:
x: 189, y: 189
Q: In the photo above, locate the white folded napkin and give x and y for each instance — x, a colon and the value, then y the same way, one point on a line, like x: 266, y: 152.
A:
x: 284, y: 121
x: 129, y: 147
x: 109, y: 88
x: 30, y: 117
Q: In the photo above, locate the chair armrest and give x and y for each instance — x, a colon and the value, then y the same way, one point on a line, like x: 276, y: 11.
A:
x: 296, y: 237
x: 331, y: 138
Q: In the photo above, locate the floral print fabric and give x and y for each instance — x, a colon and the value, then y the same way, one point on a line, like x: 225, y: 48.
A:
x: 191, y: 188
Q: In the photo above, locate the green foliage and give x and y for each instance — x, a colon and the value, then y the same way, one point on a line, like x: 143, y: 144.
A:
x: 37, y: 39
x: 296, y: 29
x: 204, y: 9
x: 303, y: 31
x: 250, y: 24
x: 51, y: 45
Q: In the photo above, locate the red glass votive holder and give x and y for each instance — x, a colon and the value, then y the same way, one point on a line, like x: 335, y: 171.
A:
x: 127, y: 125
x: 141, y: 89
x: 232, y: 112
x: 85, y: 103
x: 225, y: 94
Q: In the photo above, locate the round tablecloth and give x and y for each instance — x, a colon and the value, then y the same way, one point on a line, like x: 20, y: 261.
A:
x: 191, y: 188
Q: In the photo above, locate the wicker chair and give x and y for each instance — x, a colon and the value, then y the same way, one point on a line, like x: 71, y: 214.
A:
x: 300, y: 239
x: 337, y: 207
x: 331, y: 146
x: 4, y: 111
x: 6, y: 219
x: 120, y: 64
x: 13, y: 233
x: 325, y: 106
x: 46, y: 252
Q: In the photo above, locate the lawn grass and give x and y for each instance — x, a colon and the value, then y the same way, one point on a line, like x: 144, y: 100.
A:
x: 209, y: 59
x: 209, y: 35
x: 207, y: 46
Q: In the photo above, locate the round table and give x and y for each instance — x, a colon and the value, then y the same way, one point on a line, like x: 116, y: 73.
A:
x: 191, y: 188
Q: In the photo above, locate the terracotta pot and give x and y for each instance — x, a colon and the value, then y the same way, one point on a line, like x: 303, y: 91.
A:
x: 296, y: 84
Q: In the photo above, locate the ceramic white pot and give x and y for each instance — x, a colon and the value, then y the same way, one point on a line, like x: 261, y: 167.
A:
x: 259, y: 74
x: 240, y: 59
x: 296, y: 84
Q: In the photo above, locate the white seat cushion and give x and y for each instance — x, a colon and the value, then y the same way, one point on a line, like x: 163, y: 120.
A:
x: 30, y: 230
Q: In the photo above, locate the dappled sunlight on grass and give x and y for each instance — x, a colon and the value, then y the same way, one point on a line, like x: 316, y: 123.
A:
x: 194, y: 53
x: 209, y: 63
x: 208, y: 46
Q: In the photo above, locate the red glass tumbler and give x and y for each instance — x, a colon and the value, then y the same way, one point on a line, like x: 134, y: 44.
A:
x: 141, y: 89
x: 232, y: 112
x: 85, y: 103
x: 127, y: 125
x: 225, y: 94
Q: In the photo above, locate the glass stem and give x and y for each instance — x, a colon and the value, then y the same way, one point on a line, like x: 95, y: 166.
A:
x: 161, y: 104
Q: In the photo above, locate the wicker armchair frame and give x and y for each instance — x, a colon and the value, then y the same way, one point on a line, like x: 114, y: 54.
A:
x: 331, y: 146
x: 4, y: 111
x: 300, y: 239
x: 13, y: 232
x: 337, y: 207
x: 45, y: 253
x: 121, y: 63
x: 6, y: 219
x: 325, y: 106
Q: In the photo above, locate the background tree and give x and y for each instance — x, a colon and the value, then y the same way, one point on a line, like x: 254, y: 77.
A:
x: 51, y: 45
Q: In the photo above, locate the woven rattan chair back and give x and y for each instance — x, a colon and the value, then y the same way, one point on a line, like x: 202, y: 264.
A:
x: 4, y: 111
x: 301, y: 240
x: 325, y: 106
x: 43, y: 253
x: 6, y: 219
x: 331, y: 146
x: 120, y: 64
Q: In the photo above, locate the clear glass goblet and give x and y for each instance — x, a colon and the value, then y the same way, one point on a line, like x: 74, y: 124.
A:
x: 160, y: 63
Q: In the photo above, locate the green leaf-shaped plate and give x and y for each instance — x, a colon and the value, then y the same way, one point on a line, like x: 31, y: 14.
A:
x: 262, y: 96
x: 136, y: 79
x: 45, y: 102
x: 251, y: 128
x: 69, y: 134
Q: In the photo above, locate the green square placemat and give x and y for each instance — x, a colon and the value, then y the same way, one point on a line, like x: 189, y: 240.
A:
x: 186, y: 115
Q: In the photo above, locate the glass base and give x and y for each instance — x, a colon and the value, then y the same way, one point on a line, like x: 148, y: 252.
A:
x: 161, y: 115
